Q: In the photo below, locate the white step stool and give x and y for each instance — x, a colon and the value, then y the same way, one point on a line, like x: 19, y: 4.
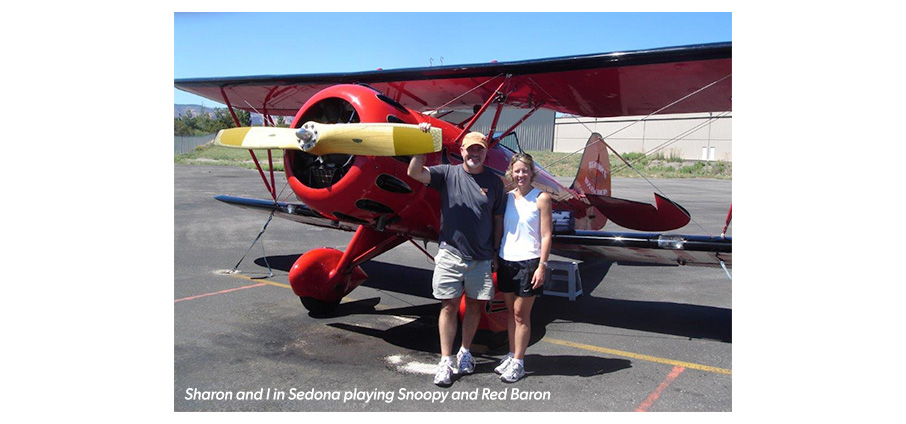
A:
x: 563, y: 280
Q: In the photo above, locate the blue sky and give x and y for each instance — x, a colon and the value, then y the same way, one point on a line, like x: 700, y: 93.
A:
x: 237, y: 44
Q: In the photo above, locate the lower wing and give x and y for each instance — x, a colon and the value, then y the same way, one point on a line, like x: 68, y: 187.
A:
x: 293, y: 211
x: 652, y: 248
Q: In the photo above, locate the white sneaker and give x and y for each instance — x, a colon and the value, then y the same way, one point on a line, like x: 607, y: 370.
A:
x: 513, y: 373
x: 443, y: 373
x: 504, y: 364
x: 466, y: 363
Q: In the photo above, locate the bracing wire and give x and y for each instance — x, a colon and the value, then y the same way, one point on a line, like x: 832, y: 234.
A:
x: 269, y: 270
x: 682, y: 135
x: 463, y: 94
x: 657, y: 148
x: 642, y: 119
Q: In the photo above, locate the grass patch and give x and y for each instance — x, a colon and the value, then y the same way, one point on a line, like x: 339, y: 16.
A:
x: 655, y: 166
x: 209, y: 154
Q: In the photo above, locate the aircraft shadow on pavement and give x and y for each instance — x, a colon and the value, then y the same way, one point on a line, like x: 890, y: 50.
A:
x: 677, y: 319
x: 418, y: 335
x: 282, y: 262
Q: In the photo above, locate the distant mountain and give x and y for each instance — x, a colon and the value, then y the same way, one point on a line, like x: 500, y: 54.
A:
x: 180, y: 110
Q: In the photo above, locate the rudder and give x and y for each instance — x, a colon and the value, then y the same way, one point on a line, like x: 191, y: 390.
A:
x: 593, y: 177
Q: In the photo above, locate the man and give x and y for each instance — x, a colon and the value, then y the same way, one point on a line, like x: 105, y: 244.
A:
x: 472, y: 208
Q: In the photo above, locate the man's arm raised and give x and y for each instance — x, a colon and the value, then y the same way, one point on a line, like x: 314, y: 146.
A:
x: 418, y: 171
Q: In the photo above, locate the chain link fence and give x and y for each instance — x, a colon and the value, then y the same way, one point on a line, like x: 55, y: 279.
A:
x: 185, y: 144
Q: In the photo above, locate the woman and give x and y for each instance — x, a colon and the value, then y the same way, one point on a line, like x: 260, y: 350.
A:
x: 524, y: 251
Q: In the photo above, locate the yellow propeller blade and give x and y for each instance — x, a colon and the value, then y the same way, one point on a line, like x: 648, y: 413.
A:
x: 258, y: 138
x: 369, y: 139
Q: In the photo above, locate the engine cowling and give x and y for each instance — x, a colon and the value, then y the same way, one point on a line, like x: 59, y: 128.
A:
x: 348, y: 187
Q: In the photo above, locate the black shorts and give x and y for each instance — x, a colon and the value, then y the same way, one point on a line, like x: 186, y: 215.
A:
x: 516, y: 277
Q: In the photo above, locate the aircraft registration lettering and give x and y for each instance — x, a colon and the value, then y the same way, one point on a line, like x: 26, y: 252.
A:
x: 590, y: 186
x: 596, y: 166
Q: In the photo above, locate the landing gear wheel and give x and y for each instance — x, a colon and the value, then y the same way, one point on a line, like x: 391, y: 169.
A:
x: 319, y: 307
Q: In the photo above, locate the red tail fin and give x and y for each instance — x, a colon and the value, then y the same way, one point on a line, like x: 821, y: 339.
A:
x: 593, y: 178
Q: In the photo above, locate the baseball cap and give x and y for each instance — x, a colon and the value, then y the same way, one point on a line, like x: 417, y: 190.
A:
x: 474, y: 137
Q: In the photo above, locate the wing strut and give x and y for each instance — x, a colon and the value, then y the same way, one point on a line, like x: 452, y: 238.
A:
x: 271, y: 188
x: 480, y: 111
x: 230, y: 107
x: 723, y: 233
x: 518, y: 123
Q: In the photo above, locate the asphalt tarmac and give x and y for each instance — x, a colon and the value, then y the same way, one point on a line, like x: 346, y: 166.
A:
x: 646, y: 338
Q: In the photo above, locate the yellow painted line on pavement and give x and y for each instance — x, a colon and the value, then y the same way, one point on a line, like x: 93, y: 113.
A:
x: 246, y: 277
x: 638, y: 356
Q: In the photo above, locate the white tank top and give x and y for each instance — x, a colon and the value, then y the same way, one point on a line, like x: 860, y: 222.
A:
x: 521, y: 227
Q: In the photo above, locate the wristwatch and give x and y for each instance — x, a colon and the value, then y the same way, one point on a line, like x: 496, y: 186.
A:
x: 543, y: 263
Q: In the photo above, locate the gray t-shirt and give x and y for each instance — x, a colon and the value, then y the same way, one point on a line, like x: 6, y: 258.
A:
x: 468, y: 203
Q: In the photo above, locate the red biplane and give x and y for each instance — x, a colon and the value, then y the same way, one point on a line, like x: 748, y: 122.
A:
x: 353, y: 189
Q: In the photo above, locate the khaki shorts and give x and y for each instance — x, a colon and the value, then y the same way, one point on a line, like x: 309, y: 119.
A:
x: 453, y: 274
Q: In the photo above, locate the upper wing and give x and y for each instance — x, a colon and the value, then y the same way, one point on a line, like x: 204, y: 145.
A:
x: 598, y: 85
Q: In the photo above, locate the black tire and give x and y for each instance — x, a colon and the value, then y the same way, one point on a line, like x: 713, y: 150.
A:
x: 319, y: 307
